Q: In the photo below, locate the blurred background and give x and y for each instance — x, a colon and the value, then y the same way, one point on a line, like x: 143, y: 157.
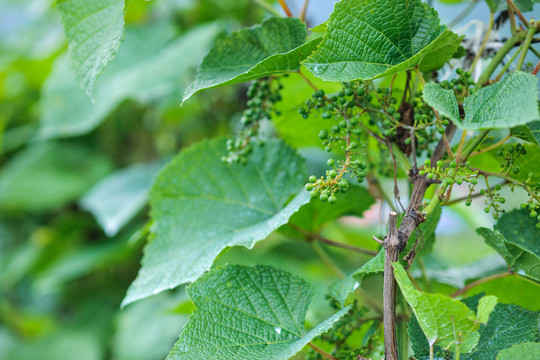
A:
x: 74, y: 177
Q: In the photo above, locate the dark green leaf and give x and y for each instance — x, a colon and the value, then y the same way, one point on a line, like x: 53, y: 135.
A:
x: 276, y: 46
x: 500, y: 5
x: 363, y: 42
x: 94, y: 30
x: 248, y: 313
x: 508, y: 325
x: 244, y: 202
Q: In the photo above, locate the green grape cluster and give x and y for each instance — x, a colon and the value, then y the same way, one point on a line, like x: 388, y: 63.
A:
x: 493, y: 201
x: 509, y: 155
x: 533, y: 205
x: 450, y: 173
x: 346, y: 133
x: 262, y: 94
x: 463, y: 85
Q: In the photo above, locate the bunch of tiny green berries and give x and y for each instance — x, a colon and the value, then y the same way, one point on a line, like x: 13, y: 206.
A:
x: 262, y: 95
x: 509, y: 154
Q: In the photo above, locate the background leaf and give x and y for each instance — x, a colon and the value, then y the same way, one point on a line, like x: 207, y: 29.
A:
x: 245, y: 202
x: 118, y: 197
x: 150, y: 66
x: 529, y: 132
x: 273, y: 47
x: 48, y: 175
x: 248, y: 313
x: 363, y: 42
x: 94, y: 30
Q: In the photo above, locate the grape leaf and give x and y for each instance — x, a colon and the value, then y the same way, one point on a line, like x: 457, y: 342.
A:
x: 244, y: 202
x: 529, y: 132
x: 47, y: 175
x: 118, y: 197
x: 150, y: 67
x: 505, y: 104
x: 273, y: 47
x: 442, y: 100
x: 516, y: 239
x: 508, y: 325
x: 441, y: 317
x: 94, y: 30
x: 363, y: 42
x: 500, y: 5
x: 248, y: 313
x: 524, y: 351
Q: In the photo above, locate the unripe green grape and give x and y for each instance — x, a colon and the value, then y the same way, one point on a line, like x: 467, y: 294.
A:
x: 538, y: 225
x: 502, y: 200
x: 486, y: 210
x: 332, y: 173
x: 459, y: 181
x: 360, y: 92
x: 387, y: 133
x: 335, y: 129
x: 326, y: 115
x: 468, y: 202
x: 498, y: 187
x: 516, y: 170
x: 332, y: 199
x: 440, y: 130
x: 353, y: 121
x: 427, y: 162
x: 309, y: 186
x: 445, y: 122
x: 453, y: 164
x: 343, y: 124
x: 328, y: 148
x: 531, y: 175
x: 323, y: 134
x: 330, y: 162
x: 343, y: 183
x: 533, y: 214
x: 440, y: 163
x: 430, y: 176
x: 362, y: 174
x: 523, y: 206
x: 474, y: 181
x: 349, y: 92
x: 408, y: 141
x: 342, y: 100
x: 323, y: 197
x: 313, y: 179
x: 313, y: 194
x: 354, y: 145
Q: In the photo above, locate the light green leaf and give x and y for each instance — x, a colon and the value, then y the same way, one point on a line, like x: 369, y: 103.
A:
x: 94, y: 30
x: 442, y: 100
x: 46, y: 176
x: 485, y: 308
x: 341, y: 289
x: 276, y: 46
x: 505, y: 104
x: 363, y: 42
x: 245, y: 202
x: 118, y: 197
x: 516, y: 239
x: 440, y: 317
x: 150, y: 67
x: 248, y: 313
x: 508, y: 325
x: 529, y: 132
x: 525, y: 351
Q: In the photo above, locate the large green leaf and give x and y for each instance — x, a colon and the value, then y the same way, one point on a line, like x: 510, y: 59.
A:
x: 201, y: 205
x: 508, y: 325
x: 443, y: 320
x: 505, y: 104
x: 150, y: 67
x: 367, y: 39
x: 516, y: 239
x: 46, y: 176
x: 525, y: 351
x: 248, y: 313
x: 94, y: 30
x: 273, y: 47
x: 118, y: 197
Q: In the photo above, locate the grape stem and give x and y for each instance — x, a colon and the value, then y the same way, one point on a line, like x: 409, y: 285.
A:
x: 491, y: 147
x: 285, y: 8
x: 321, y: 351
x: 303, y: 11
x: 509, y: 179
x: 481, y: 281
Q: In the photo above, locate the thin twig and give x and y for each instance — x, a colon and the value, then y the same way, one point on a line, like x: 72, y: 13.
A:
x: 536, y: 68
x: 285, y: 8
x: 304, y: 10
x: 307, y: 80
x: 475, y: 195
x: 511, y: 17
x: 321, y: 351
x: 526, y: 45
x: 507, y: 65
x: 481, y: 281
x: 518, y: 13
x: 396, y: 188
x: 483, y: 45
